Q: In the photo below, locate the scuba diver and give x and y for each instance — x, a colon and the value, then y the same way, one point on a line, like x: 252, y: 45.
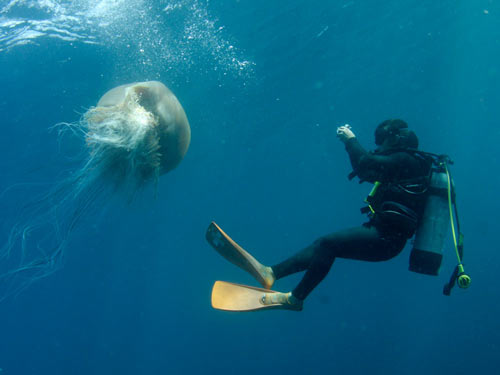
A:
x: 401, y: 177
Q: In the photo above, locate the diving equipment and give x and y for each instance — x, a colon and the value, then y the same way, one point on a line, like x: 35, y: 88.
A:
x: 435, y: 194
x: 236, y: 297
x: 234, y: 253
x: 427, y: 252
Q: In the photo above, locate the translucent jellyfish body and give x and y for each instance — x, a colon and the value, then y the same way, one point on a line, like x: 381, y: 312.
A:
x: 136, y: 133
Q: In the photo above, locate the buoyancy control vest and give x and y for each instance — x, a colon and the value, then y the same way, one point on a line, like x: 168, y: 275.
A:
x: 397, y: 205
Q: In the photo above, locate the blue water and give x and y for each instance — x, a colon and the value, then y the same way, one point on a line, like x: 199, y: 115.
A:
x: 264, y: 85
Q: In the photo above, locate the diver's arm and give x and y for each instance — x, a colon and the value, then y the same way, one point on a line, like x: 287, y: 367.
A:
x: 355, y: 151
x: 371, y: 167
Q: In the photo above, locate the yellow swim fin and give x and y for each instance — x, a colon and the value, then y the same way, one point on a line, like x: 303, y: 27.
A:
x: 234, y: 253
x: 236, y: 297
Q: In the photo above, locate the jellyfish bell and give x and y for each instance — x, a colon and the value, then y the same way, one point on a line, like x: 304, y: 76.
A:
x: 136, y: 133
x: 155, y: 100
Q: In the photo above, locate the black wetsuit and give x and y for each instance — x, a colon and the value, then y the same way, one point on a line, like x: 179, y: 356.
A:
x: 379, y: 239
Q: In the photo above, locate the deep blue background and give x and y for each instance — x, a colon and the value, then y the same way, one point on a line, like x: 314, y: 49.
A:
x: 264, y: 162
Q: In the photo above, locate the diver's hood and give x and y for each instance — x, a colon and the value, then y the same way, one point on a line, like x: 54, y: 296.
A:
x: 394, y: 134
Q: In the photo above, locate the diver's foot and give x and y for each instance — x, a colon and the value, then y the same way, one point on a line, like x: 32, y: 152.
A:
x: 285, y: 300
x: 267, y: 276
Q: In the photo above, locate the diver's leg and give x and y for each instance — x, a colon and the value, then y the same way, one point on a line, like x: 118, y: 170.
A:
x: 296, y: 263
x: 361, y: 243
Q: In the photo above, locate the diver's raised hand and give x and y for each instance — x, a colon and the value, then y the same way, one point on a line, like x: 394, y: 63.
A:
x: 344, y: 133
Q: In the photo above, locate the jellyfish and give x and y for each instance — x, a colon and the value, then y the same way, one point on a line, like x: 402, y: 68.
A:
x: 136, y: 133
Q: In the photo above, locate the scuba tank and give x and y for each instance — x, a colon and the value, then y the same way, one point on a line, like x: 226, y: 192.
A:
x: 427, y: 252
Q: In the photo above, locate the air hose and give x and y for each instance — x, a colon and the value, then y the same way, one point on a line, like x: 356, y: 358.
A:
x: 459, y: 276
